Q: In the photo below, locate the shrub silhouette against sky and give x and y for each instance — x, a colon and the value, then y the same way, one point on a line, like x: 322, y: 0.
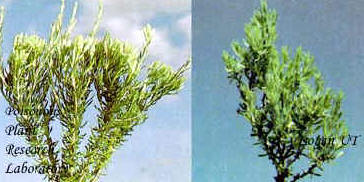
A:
x: 59, y: 78
x: 282, y: 96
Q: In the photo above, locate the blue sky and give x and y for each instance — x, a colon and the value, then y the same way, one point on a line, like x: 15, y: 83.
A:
x: 161, y: 147
x: 332, y: 30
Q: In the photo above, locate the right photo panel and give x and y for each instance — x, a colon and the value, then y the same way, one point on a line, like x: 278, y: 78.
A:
x: 277, y: 90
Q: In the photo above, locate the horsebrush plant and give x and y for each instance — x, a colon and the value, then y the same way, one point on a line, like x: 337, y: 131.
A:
x: 283, y: 98
x: 55, y: 80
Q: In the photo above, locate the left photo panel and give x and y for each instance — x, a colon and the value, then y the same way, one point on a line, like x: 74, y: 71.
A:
x: 95, y: 91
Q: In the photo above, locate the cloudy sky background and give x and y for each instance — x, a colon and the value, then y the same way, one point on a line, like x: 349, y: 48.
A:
x: 158, y: 150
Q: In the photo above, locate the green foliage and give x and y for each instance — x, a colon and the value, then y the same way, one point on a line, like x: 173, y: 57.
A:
x: 284, y: 100
x: 56, y: 79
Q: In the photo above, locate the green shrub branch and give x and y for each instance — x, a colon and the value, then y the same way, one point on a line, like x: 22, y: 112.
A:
x: 65, y: 74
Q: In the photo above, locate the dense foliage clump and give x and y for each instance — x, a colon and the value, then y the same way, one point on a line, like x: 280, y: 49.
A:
x: 284, y: 100
x: 57, y: 78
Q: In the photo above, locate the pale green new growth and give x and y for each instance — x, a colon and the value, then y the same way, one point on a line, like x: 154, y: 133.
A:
x: 56, y: 80
x: 283, y: 98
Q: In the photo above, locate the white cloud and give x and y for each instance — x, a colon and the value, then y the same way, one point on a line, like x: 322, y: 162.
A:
x: 124, y: 19
x: 5, y: 3
x: 184, y: 24
x: 147, y: 6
